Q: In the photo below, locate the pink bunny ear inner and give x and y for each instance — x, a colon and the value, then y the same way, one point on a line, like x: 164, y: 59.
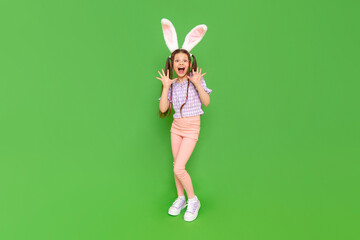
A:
x: 169, y: 35
x: 194, y: 37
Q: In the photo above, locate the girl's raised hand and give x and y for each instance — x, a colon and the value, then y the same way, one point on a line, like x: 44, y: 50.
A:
x: 196, y: 77
x: 165, y: 78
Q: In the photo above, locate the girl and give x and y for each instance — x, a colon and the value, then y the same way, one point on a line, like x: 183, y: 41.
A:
x: 186, y: 92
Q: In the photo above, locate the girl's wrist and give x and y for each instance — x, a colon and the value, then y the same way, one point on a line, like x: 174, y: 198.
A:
x: 197, y: 85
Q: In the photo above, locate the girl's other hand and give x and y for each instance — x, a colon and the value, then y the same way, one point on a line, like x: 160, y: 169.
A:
x: 165, y: 78
x: 196, y: 77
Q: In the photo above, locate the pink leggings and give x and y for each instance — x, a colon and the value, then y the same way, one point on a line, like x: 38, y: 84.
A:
x: 184, y: 135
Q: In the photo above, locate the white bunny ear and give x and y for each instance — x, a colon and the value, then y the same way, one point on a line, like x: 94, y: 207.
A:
x: 169, y: 34
x: 194, y: 37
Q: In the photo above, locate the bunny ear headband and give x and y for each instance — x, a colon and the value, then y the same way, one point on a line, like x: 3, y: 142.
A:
x: 191, y: 40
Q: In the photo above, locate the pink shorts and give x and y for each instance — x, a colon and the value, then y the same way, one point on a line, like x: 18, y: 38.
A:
x: 186, y: 127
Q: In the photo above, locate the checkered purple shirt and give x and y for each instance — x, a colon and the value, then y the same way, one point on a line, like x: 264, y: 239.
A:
x: 193, y: 106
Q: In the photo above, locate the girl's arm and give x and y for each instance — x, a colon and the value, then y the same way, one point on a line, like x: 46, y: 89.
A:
x: 164, y: 101
x: 196, y: 80
x: 204, y: 96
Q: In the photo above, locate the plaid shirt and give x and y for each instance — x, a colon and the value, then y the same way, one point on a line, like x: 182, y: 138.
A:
x: 193, y: 106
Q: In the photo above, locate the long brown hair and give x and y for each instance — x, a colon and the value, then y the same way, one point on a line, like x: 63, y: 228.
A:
x: 169, y: 65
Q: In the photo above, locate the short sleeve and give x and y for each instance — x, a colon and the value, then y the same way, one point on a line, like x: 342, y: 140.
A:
x: 168, y: 94
x: 203, y: 84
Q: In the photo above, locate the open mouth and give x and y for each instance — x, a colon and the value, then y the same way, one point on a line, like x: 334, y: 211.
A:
x: 181, y: 70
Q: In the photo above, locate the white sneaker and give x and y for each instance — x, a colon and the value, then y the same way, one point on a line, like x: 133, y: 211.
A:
x: 192, y: 210
x: 177, y: 206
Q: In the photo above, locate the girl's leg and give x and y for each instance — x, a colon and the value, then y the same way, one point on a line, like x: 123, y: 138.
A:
x: 186, y: 148
x: 175, y: 145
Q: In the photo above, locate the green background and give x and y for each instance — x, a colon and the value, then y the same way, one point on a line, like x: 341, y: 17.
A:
x: 84, y: 155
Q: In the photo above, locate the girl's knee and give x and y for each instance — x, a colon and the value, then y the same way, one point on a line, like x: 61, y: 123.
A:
x: 179, y: 172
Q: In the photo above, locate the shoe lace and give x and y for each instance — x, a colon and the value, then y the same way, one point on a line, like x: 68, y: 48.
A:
x: 178, y: 202
x: 192, y: 206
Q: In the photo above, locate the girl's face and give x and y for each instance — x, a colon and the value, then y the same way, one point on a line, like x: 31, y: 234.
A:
x: 181, y: 64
